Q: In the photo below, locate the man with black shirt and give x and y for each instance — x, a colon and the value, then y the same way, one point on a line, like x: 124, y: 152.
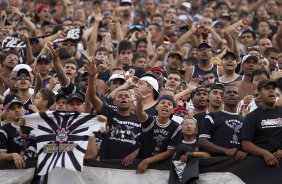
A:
x: 15, y: 141
x: 262, y: 129
x: 122, y: 140
x: 199, y: 97
x: 214, y: 102
x: 160, y: 134
x: 220, y: 133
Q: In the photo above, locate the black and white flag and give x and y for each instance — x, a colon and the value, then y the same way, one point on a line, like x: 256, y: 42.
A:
x: 14, y: 42
x: 62, y: 138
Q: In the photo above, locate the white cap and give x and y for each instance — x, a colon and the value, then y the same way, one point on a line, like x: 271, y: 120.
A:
x: 152, y: 81
x: 116, y: 76
x: 246, y: 57
x: 22, y: 66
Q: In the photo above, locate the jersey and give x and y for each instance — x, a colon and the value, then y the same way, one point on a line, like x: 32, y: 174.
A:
x: 199, y: 73
x: 123, y: 137
x: 238, y: 78
x: 157, y: 138
x: 223, y: 129
x: 263, y: 127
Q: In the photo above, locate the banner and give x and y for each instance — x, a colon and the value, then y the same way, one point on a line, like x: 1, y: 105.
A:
x: 62, y: 138
x: 215, y: 170
x: 14, y: 42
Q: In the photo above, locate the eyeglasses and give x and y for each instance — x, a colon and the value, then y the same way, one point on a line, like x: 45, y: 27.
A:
x: 23, y: 78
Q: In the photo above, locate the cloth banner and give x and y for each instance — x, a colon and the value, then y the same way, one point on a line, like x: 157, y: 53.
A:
x: 213, y: 171
x: 62, y: 138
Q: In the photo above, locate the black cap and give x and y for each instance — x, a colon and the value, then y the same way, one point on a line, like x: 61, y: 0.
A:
x: 216, y: 85
x: 176, y: 53
x: 75, y: 96
x: 43, y: 58
x: 198, y: 89
x: 12, y: 99
x: 204, y: 45
x: 266, y: 82
x: 59, y: 96
x: 23, y: 70
x: 167, y: 97
x: 229, y: 54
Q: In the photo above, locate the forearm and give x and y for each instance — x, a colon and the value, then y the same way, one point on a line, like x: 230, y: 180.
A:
x: 29, y: 24
x: 183, y: 93
x: 37, y: 86
x: 29, y: 53
x: 6, y: 156
x: 114, y: 92
x: 279, y: 38
x: 252, y: 148
x: 201, y: 154
x: 160, y: 157
x: 183, y: 39
x: 160, y: 38
x: 96, y: 102
x: 92, y: 149
x: 210, y: 147
x: 93, y: 39
x: 216, y: 40
x: 141, y: 114
x: 236, y: 51
x: 150, y: 50
x: 63, y: 78
x: 119, y: 32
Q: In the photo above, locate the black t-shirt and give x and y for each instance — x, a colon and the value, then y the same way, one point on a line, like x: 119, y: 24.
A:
x: 70, y: 89
x: 185, y: 146
x: 151, y: 111
x: 105, y: 76
x: 26, y: 104
x: 157, y: 138
x: 123, y: 137
x: 200, y: 118
x: 223, y: 129
x: 12, y: 142
x: 139, y: 72
x: 263, y: 127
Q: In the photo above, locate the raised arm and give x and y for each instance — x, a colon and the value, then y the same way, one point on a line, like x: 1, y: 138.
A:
x: 97, y: 103
x: 141, y: 114
x: 92, y: 43
x: 117, y: 25
x: 192, y: 85
x: 28, y: 23
x: 24, y: 37
x: 166, y: 25
x: 62, y: 76
x: 183, y: 39
x: 279, y: 37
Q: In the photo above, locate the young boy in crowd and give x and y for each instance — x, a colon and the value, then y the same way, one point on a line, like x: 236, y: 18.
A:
x: 182, y: 161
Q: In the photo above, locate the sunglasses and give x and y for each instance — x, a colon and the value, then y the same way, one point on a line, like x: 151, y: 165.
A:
x: 22, y: 78
x: 170, y: 21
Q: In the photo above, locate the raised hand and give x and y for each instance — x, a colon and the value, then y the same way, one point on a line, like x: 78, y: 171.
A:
x: 91, y: 67
x: 53, y: 53
x: 24, y: 37
x: 98, y: 17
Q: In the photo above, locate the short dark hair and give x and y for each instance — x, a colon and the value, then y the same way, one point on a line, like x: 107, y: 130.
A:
x: 269, y: 50
x: 48, y: 95
x: 102, y: 49
x: 140, y: 40
x: 259, y: 72
x: 71, y: 61
x: 249, y: 31
x: 253, y: 49
x: 124, y: 45
x: 136, y: 56
x: 178, y: 73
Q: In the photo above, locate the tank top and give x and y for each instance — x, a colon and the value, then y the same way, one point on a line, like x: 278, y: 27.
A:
x: 238, y: 78
x: 199, y: 73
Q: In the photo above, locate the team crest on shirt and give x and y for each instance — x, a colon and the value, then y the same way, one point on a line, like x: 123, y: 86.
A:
x: 62, y: 135
x: 236, y: 126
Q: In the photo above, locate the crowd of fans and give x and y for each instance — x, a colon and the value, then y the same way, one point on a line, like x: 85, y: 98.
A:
x: 199, y: 77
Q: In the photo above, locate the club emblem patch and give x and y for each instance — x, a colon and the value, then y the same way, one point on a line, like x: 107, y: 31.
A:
x: 62, y: 135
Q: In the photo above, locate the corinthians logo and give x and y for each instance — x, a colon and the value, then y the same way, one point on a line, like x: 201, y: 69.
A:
x: 62, y: 135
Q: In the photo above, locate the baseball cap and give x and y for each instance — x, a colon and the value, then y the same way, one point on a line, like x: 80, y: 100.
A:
x: 116, y: 76
x: 175, y: 53
x: 198, y: 89
x: 59, y: 96
x: 158, y: 69
x: 167, y: 97
x: 229, y: 54
x: 247, y: 57
x: 43, y: 58
x: 22, y: 66
x: 126, y: 2
x: 203, y: 45
x: 23, y: 70
x: 75, y: 96
x: 217, y: 22
x: 152, y: 81
x: 41, y: 7
x: 216, y: 85
x: 225, y: 16
x: 12, y: 99
x: 180, y: 109
x: 266, y: 82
